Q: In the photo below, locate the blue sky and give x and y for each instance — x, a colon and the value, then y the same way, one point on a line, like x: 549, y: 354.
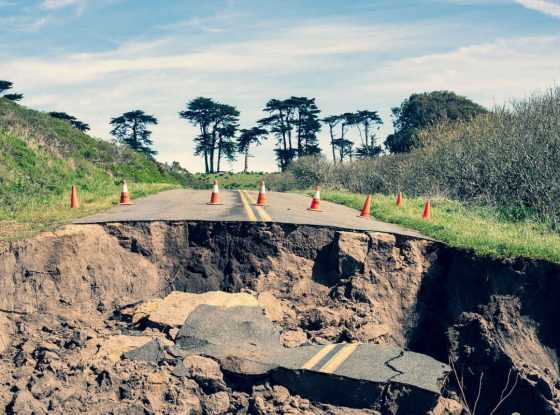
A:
x: 98, y: 58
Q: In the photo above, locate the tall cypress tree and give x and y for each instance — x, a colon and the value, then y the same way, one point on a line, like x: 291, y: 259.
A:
x: 130, y: 128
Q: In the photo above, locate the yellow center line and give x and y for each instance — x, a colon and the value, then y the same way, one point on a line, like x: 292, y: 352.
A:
x: 317, y: 357
x: 265, y: 217
x: 339, y: 358
x: 247, y: 207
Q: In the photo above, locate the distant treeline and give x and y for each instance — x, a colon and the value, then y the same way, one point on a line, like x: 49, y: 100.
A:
x: 508, y: 158
x: 294, y: 123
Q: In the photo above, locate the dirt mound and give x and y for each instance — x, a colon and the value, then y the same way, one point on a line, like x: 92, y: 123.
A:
x: 67, y: 292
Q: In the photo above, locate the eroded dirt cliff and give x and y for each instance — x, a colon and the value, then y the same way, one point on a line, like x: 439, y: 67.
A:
x: 65, y: 295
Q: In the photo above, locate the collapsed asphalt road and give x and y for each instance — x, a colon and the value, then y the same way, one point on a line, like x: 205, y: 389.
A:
x: 239, y: 206
x: 246, y: 343
x: 80, y: 299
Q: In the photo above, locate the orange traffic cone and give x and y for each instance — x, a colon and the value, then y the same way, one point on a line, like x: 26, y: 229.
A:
x: 215, y: 197
x: 400, y: 200
x: 427, y: 211
x: 261, y: 199
x: 74, y: 198
x: 125, y: 196
x: 366, y: 209
x: 315, y: 202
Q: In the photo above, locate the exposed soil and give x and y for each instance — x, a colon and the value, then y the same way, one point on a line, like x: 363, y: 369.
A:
x: 64, y: 295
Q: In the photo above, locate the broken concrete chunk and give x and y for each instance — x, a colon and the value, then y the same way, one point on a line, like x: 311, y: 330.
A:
x: 205, y: 371
x: 372, y: 331
x: 272, y: 305
x: 244, y: 329
x: 352, y: 249
x: 141, y: 311
x: 174, y: 309
x: 114, y: 347
x: 293, y: 338
x: 149, y: 352
x: 216, y: 404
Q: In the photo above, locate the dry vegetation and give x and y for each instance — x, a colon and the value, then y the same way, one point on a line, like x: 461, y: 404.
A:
x: 500, y: 171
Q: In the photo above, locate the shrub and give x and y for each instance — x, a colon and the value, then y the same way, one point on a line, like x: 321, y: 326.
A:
x: 508, y: 158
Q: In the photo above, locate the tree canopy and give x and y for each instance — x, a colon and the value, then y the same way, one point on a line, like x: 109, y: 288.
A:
x: 130, y: 128
x: 73, y: 121
x: 295, y: 123
x: 423, y: 110
x: 247, y: 138
x: 218, y: 124
x: 6, y: 86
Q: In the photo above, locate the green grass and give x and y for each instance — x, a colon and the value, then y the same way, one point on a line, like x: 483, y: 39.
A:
x: 41, y: 157
x: 227, y: 180
x: 484, y: 230
x: 49, y: 214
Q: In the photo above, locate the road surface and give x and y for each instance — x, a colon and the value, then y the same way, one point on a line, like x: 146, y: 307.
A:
x: 239, y: 205
x: 247, y: 343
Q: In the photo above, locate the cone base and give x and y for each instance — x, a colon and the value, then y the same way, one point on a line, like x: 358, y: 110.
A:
x: 314, y: 210
x: 125, y: 203
x: 260, y: 204
x: 363, y: 217
x: 214, y: 204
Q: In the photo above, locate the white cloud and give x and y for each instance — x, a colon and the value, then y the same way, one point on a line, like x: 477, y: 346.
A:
x: 498, y: 70
x: 492, y: 73
x: 346, y: 66
x: 283, y: 52
x: 60, y: 4
x: 28, y: 24
x: 549, y: 7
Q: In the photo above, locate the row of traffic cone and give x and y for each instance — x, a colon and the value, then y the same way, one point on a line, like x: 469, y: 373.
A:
x: 124, y: 200
x: 261, y: 200
x: 365, y: 212
x: 366, y: 209
x: 215, y: 195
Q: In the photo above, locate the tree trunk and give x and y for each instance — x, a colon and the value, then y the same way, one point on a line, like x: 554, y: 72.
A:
x: 366, y: 130
x: 332, y: 144
x: 299, y: 142
x: 219, y: 154
x: 212, y: 149
x: 246, y: 168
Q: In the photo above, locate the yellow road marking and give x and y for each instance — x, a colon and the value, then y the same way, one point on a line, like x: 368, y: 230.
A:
x: 317, y: 357
x: 339, y: 358
x: 247, y: 207
x: 265, y: 217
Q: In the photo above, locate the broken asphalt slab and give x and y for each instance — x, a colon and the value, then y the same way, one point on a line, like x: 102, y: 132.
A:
x: 246, y: 343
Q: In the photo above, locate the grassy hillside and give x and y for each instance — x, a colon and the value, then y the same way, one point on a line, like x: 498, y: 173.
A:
x: 41, y: 157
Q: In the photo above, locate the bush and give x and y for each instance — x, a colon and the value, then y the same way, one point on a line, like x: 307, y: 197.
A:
x: 508, y: 158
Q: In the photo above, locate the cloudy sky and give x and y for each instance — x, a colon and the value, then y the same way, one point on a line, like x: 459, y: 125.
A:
x: 96, y: 59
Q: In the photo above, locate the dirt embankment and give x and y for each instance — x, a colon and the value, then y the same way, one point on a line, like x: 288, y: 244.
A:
x: 63, y: 295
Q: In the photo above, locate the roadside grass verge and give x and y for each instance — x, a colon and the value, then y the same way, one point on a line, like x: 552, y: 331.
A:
x: 484, y: 230
x: 36, y: 215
